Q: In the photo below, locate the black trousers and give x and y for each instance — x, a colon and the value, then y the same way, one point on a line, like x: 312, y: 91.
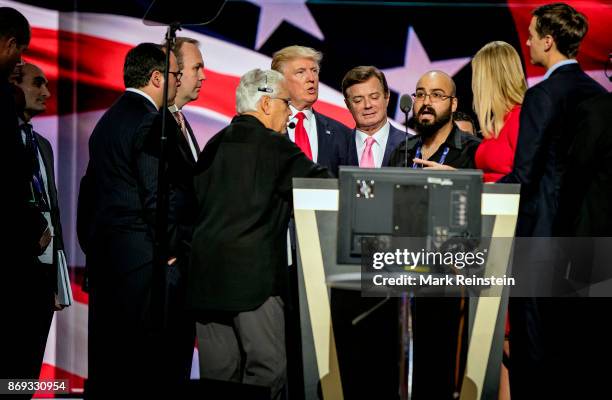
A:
x: 125, y: 355
x: 28, y: 301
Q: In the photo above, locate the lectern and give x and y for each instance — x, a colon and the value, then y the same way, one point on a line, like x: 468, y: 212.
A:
x: 316, y: 203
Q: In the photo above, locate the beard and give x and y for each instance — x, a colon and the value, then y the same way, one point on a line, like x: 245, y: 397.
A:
x: 429, y: 128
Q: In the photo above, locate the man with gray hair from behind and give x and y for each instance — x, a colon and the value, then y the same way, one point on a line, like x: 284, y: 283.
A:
x: 237, y: 272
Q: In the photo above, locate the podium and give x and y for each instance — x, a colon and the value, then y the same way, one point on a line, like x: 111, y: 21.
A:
x: 316, y: 211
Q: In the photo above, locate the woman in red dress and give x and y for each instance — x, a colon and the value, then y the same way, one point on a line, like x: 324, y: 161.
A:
x: 498, y: 85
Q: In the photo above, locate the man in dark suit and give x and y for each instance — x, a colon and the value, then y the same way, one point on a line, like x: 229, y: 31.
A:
x: 370, y: 145
x: 42, y: 299
x: 119, y: 194
x: 323, y: 139
x: 373, y: 140
x: 542, y: 328
x: 584, y: 203
x: 585, y: 215
x: 238, y: 269
x: 27, y: 232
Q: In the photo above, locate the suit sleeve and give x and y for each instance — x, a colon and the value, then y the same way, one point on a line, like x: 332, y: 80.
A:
x: 536, y: 114
x: 293, y: 163
x: 146, y: 154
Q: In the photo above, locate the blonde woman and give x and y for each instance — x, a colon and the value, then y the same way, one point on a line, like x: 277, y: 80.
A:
x: 498, y: 85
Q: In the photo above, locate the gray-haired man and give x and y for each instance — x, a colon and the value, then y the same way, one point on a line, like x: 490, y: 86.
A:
x: 239, y: 257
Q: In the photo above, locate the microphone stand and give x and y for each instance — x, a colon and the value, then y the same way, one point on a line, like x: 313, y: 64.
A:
x: 159, y: 304
x: 406, y: 138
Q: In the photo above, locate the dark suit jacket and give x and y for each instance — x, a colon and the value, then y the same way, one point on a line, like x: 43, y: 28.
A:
x: 243, y: 183
x: 114, y: 200
x: 546, y: 115
x: 396, y: 138
x: 117, y: 205
x: 333, y: 137
x: 46, y: 153
x: 585, y: 207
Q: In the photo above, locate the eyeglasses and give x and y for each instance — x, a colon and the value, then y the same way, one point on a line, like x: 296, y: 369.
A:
x: 435, y: 97
x: 177, y: 74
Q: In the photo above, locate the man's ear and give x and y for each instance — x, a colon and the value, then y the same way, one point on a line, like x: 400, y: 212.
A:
x: 549, y: 41
x: 454, y: 104
x: 156, y: 79
x: 266, y: 105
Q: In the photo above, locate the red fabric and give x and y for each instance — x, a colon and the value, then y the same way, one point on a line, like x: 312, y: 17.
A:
x: 495, y: 156
x: 301, y: 137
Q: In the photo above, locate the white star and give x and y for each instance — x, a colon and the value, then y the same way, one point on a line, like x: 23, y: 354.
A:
x: 273, y: 12
x: 416, y: 62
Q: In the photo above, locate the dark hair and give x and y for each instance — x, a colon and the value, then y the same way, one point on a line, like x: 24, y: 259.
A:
x: 178, y: 44
x: 141, y: 62
x: 362, y: 74
x: 461, y: 116
x: 566, y: 25
x: 14, y: 24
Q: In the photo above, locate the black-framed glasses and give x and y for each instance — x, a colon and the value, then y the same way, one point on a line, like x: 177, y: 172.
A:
x: 435, y: 97
x: 177, y: 74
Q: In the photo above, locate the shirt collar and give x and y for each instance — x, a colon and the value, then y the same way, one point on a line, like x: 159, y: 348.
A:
x: 173, y: 108
x: 307, y: 112
x: 380, y: 135
x: 143, y: 94
x: 558, y: 65
x: 453, y: 140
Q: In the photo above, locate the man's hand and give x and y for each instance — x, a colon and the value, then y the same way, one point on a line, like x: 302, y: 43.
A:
x: 58, y: 306
x: 45, y: 240
x: 433, y: 165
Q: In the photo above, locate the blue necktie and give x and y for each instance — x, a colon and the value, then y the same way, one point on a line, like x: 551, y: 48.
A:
x: 38, y: 185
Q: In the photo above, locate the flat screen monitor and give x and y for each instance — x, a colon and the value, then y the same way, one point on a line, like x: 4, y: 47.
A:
x: 383, y: 203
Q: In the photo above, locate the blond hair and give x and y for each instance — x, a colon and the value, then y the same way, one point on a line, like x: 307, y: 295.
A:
x: 290, y: 53
x: 498, y: 84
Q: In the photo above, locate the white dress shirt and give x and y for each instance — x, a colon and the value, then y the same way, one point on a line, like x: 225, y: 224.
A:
x: 143, y: 94
x: 378, y: 148
x: 310, y: 124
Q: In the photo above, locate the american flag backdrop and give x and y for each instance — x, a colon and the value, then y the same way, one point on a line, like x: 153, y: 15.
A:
x: 81, y: 45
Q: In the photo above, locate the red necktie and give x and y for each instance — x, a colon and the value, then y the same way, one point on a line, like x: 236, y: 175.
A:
x: 301, y: 137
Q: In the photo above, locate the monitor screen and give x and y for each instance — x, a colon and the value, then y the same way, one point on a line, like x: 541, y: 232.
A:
x: 386, y: 203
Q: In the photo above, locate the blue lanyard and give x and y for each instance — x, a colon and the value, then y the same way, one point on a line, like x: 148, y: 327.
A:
x: 418, y: 155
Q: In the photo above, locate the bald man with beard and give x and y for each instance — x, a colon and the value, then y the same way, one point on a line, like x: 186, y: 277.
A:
x: 438, y: 141
x: 438, y: 144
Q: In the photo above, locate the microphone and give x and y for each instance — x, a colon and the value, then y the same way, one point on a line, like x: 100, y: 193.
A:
x: 291, y: 125
x: 405, y: 103
x: 405, y: 106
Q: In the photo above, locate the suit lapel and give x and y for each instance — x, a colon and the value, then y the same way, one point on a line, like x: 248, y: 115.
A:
x: 352, y: 156
x: 183, y: 145
x: 47, y: 158
x: 324, y: 137
x: 395, y: 139
x: 192, y: 136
